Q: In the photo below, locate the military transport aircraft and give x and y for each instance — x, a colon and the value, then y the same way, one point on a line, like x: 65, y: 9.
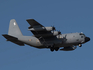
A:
x: 45, y: 37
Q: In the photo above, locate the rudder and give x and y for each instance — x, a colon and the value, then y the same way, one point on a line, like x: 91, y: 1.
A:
x: 14, y: 29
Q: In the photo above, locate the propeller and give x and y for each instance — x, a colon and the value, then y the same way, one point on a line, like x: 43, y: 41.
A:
x: 53, y: 28
x: 59, y: 32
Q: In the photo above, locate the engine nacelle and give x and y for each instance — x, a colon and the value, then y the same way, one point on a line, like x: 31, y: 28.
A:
x: 37, y: 29
x: 68, y: 48
x: 50, y: 28
x: 42, y: 28
x: 53, y: 33
x: 56, y: 33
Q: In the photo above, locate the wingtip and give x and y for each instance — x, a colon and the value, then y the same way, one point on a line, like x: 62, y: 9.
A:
x: 4, y: 34
x: 29, y: 19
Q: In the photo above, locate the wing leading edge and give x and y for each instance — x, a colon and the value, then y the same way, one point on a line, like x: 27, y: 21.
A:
x: 40, y: 31
x: 33, y: 23
x: 44, y: 34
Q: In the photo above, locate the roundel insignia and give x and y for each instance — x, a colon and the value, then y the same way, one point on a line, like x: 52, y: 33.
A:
x: 29, y: 39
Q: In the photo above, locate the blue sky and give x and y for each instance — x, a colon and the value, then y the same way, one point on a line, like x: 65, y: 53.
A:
x: 66, y: 15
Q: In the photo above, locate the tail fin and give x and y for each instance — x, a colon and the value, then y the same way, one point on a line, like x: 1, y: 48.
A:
x: 14, y: 29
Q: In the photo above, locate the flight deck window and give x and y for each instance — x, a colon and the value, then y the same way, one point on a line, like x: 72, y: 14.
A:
x: 81, y: 36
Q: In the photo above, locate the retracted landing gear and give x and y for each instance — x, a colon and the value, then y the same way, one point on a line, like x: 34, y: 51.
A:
x: 54, y: 48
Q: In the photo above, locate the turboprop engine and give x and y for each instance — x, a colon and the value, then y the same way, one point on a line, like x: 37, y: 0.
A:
x: 42, y: 28
x: 50, y: 28
x: 56, y: 33
x: 53, y: 33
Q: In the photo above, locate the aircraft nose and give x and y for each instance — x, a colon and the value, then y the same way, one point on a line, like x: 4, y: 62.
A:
x: 87, y: 39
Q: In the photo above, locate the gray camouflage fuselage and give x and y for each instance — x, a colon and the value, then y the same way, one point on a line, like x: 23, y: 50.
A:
x: 63, y: 40
x: 45, y: 37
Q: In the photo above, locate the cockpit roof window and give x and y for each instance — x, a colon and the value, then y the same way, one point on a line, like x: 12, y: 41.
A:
x: 82, y: 34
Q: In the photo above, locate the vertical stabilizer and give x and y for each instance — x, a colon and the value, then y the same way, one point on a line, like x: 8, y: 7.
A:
x: 14, y: 29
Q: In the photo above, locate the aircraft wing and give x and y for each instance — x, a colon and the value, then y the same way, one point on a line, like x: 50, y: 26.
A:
x: 39, y: 30
x: 44, y: 34
x: 33, y: 23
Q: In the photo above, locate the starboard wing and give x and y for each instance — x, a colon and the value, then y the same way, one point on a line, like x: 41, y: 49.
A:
x: 37, y: 29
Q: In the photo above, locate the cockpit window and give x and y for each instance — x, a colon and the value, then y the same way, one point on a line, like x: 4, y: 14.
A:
x: 82, y: 34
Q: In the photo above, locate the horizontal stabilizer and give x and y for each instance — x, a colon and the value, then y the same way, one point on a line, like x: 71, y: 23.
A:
x: 13, y: 39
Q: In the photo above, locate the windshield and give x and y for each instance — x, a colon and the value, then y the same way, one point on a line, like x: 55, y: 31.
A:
x: 82, y: 34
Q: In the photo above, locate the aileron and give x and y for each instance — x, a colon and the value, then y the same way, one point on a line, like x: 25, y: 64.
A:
x: 33, y: 23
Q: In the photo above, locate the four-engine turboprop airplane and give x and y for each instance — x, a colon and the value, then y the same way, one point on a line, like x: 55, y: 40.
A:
x: 45, y: 37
